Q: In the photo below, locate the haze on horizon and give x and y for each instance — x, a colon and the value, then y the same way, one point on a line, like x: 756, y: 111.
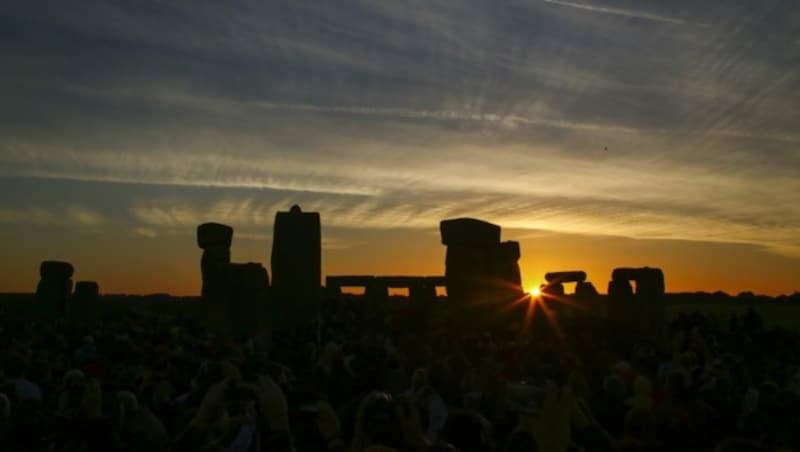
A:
x: 598, y: 133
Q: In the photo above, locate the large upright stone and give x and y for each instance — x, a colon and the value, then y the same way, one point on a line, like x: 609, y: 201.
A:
x: 296, y: 268
x: 211, y: 235
x: 642, y: 309
x: 249, y: 299
x: 55, y: 287
x: 482, y: 274
x: 215, y: 240
x: 505, y: 267
x: 56, y: 270
x: 86, y: 291
x: 84, y: 301
x: 469, y: 231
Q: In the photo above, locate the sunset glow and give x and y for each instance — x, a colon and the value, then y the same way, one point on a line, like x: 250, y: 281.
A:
x: 125, y: 126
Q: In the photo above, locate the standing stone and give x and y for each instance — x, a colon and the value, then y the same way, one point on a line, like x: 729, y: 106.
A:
x: 376, y: 293
x: 86, y: 291
x: 296, y: 268
x: 506, y: 269
x: 642, y: 310
x: 585, y: 291
x: 55, y: 287
x: 422, y: 293
x: 482, y: 274
x: 469, y: 231
x: 84, y: 300
x: 249, y: 299
x: 478, y: 267
x: 215, y: 240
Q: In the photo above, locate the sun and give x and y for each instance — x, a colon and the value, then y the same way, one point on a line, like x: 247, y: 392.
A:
x: 535, y: 292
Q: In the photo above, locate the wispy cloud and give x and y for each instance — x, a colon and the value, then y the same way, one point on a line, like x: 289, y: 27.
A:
x: 547, y: 114
x: 29, y: 215
x: 593, y: 216
x: 145, y: 232
x: 73, y: 215
x: 83, y: 216
x: 636, y: 14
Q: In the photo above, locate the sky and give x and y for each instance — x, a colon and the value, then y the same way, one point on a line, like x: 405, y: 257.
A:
x: 597, y: 133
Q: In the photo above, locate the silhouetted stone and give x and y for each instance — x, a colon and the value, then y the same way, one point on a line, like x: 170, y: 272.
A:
x: 642, y: 310
x: 421, y: 289
x: 86, y: 290
x: 565, y: 277
x: 469, y: 231
x: 215, y: 240
x: 56, y: 270
x: 212, y: 258
x: 436, y: 281
x: 468, y: 273
x: 84, y: 302
x: 249, y: 309
x: 505, y: 268
x: 481, y: 272
x: 54, y: 288
x: 620, y: 288
x: 335, y: 283
x: 510, y: 251
x: 376, y: 291
x: 585, y: 290
x: 296, y: 267
x: 555, y: 289
x: 214, y: 235
x: 421, y: 293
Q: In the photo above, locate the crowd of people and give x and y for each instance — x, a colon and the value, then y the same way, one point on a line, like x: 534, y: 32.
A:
x: 380, y: 377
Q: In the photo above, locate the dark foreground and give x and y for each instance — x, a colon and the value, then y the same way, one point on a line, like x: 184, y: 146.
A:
x: 373, y: 378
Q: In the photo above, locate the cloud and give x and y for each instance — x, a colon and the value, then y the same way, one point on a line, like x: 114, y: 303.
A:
x: 29, y: 215
x: 380, y: 114
x: 587, y: 215
x: 73, y: 215
x: 636, y: 14
x: 83, y: 216
x: 145, y: 232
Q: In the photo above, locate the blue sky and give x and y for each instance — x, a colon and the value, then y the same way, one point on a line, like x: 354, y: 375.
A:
x: 640, y: 120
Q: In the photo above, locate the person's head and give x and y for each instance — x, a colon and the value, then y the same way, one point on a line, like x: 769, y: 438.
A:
x: 377, y: 423
x: 614, y: 388
x: 468, y: 431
